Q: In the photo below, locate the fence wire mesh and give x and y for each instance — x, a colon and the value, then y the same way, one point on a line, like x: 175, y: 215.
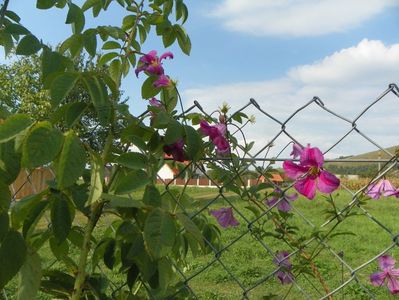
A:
x: 241, y: 265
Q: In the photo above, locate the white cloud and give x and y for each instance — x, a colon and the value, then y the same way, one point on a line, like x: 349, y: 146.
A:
x: 297, y: 17
x: 346, y: 81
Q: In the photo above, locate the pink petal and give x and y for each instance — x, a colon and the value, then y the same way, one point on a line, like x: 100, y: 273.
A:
x: 165, y: 55
x: 374, y: 190
x: 293, y: 170
x: 306, y: 187
x: 296, y: 151
x: 394, y: 272
x: 222, y: 128
x: 393, y: 285
x: 162, y: 81
x: 388, y: 188
x: 386, y: 262
x: 156, y: 69
x: 291, y: 197
x: 312, y: 157
x: 284, y: 205
x: 377, y: 279
x: 327, y: 182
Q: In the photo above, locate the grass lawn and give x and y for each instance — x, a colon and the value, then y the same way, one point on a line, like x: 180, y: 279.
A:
x: 245, y: 263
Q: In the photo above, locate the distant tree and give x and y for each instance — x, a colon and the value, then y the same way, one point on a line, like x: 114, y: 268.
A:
x: 23, y: 91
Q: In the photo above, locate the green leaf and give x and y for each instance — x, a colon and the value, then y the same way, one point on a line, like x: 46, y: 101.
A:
x: 183, y: 39
x: 29, y: 277
x: 90, y: 41
x: 97, y: 178
x: 45, y: 4
x: 62, y: 86
x: 22, y: 208
x: 10, y: 162
x: 119, y: 201
x: 191, y: 228
x: 18, y: 29
x: 4, y: 225
x: 75, y: 17
x: 74, y: 113
x: 107, y: 57
x: 174, y: 132
x: 12, y: 256
x: 148, y: 90
x: 115, y: 71
x: 6, y: 40
x: 165, y: 273
x: 152, y: 196
x: 28, y: 45
x: 99, y: 96
x: 131, y: 181
x: 159, y: 233
x: 111, y: 45
x: 132, y: 160
x: 5, y: 197
x: 33, y: 217
x: 61, y: 219
x: 72, y: 161
x: 52, y: 63
x: 14, y: 125
x: 109, y: 254
x: 193, y: 142
x: 41, y: 146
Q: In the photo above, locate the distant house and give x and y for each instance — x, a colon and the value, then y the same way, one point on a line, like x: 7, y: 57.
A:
x: 275, y: 177
x: 166, y: 172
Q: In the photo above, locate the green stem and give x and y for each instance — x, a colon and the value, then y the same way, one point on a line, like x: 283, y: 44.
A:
x: 81, y: 274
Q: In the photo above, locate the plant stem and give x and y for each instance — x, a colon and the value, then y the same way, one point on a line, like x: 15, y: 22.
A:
x: 81, y: 274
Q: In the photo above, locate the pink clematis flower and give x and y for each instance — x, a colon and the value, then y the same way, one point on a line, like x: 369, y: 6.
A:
x: 283, y: 204
x: 381, y: 188
x: 296, y: 151
x: 310, y: 175
x: 225, y: 217
x: 163, y: 81
x: 176, y: 150
x: 387, y: 264
x: 284, y: 274
x: 217, y: 134
x: 151, y: 64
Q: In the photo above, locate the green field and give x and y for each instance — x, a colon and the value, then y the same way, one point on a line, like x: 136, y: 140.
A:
x: 250, y: 263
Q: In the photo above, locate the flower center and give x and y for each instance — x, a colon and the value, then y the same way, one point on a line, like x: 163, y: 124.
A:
x: 314, y: 171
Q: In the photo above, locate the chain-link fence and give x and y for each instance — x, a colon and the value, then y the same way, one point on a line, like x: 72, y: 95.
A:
x: 332, y: 243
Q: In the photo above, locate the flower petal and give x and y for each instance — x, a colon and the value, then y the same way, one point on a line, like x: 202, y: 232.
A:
x: 327, y: 182
x: 386, y: 262
x: 293, y: 170
x: 307, y: 186
x: 312, y: 157
x: 225, y: 217
x: 296, y: 151
x: 284, y: 205
x: 166, y: 55
x: 393, y: 285
x: 377, y: 279
x: 291, y: 197
x: 374, y: 190
x: 388, y: 188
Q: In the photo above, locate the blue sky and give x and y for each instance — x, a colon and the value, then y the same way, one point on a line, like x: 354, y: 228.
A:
x: 279, y: 52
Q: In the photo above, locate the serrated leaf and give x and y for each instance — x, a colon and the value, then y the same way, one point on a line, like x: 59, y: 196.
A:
x: 12, y: 256
x: 28, y: 45
x: 71, y: 162
x: 14, y: 125
x: 159, y: 233
x: 62, y: 86
x: 99, y: 96
x: 152, y: 196
x: 42, y: 144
